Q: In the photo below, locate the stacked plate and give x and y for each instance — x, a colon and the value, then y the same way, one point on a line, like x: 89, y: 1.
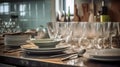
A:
x: 44, y: 51
x: 104, y: 54
x: 43, y: 47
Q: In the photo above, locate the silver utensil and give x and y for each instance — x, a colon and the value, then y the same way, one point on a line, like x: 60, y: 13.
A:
x: 78, y: 54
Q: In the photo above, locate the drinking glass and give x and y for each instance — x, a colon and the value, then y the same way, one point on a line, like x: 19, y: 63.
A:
x: 83, y: 44
x: 52, y: 29
x: 118, y: 28
x: 77, y: 33
x: 63, y: 30
x: 118, y: 35
x: 104, y: 35
x: 113, y: 32
x: 91, y: 34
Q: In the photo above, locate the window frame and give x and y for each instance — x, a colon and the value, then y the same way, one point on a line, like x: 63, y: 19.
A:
x: 4, y: 8
x: 65, y: 8
x: 61, y: 6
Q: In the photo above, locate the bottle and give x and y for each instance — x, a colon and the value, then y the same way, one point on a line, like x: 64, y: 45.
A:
x: 91, y: 17
x: 104, y: 17
x: 98, y: 16
x: 57, y: 18
x: 65, y: 19
x: 68, y: 14
x: 76, y: 16
x: 62, y: 17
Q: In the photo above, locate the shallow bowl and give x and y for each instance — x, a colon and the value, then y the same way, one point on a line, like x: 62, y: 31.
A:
x: 45, y: 43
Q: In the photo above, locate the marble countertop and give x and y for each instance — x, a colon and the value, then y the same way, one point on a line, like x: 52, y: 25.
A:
x: 18, y: 58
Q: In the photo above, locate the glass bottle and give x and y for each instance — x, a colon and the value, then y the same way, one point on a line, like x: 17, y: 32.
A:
x: 104, y: 17
x: 68, y: 14
x: 76, y: 16
x: 65, y: 19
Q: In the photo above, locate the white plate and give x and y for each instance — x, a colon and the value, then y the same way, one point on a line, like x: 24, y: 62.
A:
x: 104, y: 59
x: 45, y: 50
x: 104, y: 54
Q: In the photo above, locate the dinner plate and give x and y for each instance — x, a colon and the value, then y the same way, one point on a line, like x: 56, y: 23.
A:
x: 44, y: 50
x: 105, y: 54
x: 104, y: 59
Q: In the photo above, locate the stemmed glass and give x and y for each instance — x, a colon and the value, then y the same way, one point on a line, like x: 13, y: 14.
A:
x: 63, y: 30
x: 59, y: 30
x: 82, y: 39
x: 113, y: 32
x: 118, y: 28
x: 9, y: 27
x: 77, y: 35
x: 52, y: 29
x: 104, y: 31
x: 91, y: 34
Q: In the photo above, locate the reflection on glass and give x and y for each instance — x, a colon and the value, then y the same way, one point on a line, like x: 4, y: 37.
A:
x: 4, y: 8
x: 22, y: 9
x: 43, y: 9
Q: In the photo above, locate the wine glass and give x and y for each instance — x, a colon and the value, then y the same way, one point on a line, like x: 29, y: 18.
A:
x: 118, y: 28
x: 52, y: 30
x: 104, y: 35
x: 92, y: 34
x: 81, y: 38
x: 77, y: 33
x: 63, y: 30
x: 113, y: 32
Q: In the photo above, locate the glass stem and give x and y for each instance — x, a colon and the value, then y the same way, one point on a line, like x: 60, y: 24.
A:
x: 110, y: 41
x: 103, y: 43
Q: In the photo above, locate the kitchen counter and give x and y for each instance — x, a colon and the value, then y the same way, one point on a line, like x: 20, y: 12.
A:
x: 18, y: 58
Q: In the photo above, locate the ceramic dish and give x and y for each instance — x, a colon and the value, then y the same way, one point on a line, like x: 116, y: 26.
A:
x: 105, y: 54
x: 104, y: 59
x: 44, y: 50
x: 44, y: 43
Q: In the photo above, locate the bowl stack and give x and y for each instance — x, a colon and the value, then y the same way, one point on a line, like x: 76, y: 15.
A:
x: 16, y: 39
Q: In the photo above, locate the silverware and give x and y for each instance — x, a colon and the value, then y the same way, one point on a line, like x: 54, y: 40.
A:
x: 62, y: 55
x: 66, y: 56
x: 78, y: 54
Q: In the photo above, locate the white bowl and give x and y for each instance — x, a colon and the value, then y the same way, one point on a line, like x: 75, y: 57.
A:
x: 45, y: 43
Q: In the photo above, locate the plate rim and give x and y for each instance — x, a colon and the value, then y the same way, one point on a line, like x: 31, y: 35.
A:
x: 102, y: 52
x: 95, y: 55
x: 60, y: 49
x: 45, y: 49
x: 103, y: 59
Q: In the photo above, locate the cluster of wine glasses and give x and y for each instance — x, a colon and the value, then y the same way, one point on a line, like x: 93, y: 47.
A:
x: 85, y: 35
x: 9, y: 27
